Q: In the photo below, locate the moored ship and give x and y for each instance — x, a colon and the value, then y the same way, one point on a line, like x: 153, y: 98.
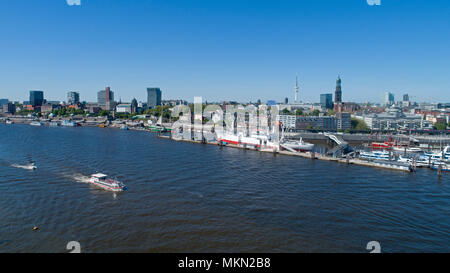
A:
x: 255, y: 141
x: 36, y: 123
x: 375, y: 155
x: 68, y: 123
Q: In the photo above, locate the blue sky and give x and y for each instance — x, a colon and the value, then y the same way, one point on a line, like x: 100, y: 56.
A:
x: 226, y: 49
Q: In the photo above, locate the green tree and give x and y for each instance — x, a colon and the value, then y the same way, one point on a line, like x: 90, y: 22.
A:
x: 331, y: 112
x: 286, y: 112
x: 299, y: 112
x: 440, y: 126
x: 103, y: 113
x: 359, y: 125
x: 315, y: 113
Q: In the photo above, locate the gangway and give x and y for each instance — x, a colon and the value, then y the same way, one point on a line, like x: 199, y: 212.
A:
x: 342, y: 145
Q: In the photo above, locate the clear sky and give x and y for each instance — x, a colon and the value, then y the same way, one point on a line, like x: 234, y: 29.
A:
x: 240, y: 50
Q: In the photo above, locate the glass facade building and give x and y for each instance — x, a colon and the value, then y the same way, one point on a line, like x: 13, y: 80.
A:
x: 326, y: 101
x: 36, y: 98
x: 153, y: 97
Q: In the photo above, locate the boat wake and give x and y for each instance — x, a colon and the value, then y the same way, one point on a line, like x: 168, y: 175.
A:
x: 78, y: 177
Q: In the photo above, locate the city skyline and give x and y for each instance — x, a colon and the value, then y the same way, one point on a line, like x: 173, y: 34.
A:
x: 230, y: 50
x: 286, y: 100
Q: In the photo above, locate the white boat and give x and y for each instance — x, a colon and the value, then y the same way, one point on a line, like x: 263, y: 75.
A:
x: 393, y: 165
x: 30, y: 166
x: 298, y: 145
x: 54, y: 124
x: 68, y: 123
x: 440, y: 156
x: 407, y: 149
x: 102, y: 181
x: 375, y: 155
x: 36, y: 123
x: 9, y: 122
x: 420, y: 161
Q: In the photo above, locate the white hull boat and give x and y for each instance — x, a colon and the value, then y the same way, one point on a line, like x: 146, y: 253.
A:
x: 102, y: 181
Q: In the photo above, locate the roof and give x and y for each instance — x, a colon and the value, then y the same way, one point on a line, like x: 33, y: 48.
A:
x: 99, y: 175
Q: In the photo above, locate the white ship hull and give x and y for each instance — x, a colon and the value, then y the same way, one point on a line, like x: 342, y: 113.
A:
x: 299, y: 146
x: 256, y: 141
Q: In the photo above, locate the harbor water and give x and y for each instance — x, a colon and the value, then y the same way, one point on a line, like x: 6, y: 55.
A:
x: 186, y: 197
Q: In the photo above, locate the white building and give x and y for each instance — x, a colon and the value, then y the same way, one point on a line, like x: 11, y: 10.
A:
x: 289, y: 121
x: 123, y: 108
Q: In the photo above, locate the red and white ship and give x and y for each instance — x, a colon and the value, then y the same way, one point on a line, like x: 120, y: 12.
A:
x: 256, y: 141
x: 102, y: 181
x: 382, y: 145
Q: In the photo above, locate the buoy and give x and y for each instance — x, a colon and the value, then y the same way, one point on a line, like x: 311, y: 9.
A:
x: 35, y: 228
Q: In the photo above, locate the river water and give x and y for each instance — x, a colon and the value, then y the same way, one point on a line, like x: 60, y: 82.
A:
x: 185, y: 197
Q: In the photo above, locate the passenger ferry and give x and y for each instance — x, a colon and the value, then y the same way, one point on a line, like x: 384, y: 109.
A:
x: 375, y: 155
x: 102, y: 181
x: 444, y: 155
x: 68, y: 123
x: 420, y: 161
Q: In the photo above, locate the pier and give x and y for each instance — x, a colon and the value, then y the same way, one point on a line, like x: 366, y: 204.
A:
x: 388, y: 165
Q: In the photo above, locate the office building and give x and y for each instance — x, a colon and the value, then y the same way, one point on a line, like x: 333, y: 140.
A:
x: 9, y: 108
x: 153, y: 97
x: 344, y: 121
x: 316, y: 123
x: 125, y: 108
x: 73, y: 98
x: 389, y: 99
x: 105, y: 99
x: 3, y: 101
x: 326, y: 101
x: 36, y: 98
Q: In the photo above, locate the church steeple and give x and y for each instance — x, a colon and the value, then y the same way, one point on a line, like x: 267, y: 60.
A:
x: 338, y: 93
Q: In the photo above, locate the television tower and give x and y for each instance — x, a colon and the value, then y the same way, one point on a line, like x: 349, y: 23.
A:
x: 296, y: 90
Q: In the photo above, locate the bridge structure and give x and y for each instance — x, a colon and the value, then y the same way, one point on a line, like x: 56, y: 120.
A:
x: 342, y: 147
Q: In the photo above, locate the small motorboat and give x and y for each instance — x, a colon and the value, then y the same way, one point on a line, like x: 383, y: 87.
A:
x: 36, y: 123
x: 30, y: 166
x: 102, y: 181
